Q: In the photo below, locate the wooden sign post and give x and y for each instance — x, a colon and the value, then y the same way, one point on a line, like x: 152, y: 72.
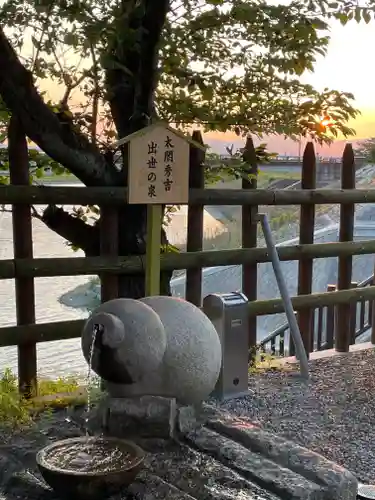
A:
x: 153, y: 244
x: 158, y: 175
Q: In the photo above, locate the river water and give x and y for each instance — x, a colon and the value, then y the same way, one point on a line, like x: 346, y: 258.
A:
x: 53, y: 357
x: 61, y: 357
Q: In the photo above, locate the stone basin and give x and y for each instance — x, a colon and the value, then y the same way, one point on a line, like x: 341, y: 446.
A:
x: 90, y: 468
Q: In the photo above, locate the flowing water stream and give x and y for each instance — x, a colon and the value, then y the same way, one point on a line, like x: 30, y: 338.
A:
x: 97, y: 329
x: 96, y: 454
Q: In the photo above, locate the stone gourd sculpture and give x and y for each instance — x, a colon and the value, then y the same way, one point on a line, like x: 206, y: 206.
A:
x: 156, y: 346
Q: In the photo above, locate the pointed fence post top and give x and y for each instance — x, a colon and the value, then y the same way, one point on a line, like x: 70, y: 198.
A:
x: 249, y: 153
x: 309, y: 152
x: 348, y: 155
x: 198, y: 138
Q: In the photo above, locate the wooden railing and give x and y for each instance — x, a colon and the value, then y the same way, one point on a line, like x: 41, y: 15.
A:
x: 24, y: 268
x: 278, y: 342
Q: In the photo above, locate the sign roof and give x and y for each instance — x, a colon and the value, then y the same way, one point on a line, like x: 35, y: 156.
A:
x: 151, y: 127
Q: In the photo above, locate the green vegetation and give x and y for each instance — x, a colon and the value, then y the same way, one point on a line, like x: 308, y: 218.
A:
x: 265, y: 177
x: 45, y: 179
x: 262, y: 362
x: 16, y: 411
x: 265, y: 362
x: 280, y: 219
x: 366, y: 148
x: 268, y: 176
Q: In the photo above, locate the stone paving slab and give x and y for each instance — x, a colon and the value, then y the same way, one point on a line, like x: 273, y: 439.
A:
x: 338, y: 482
x: 225, y: 459
x: 255, y: 467
x: 200, y: 475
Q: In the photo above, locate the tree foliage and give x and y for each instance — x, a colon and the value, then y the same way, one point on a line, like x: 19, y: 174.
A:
x: 366, y: 148
x: 226, y: 64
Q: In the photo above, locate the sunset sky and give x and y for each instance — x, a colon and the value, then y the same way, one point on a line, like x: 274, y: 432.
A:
x: 346, y: 67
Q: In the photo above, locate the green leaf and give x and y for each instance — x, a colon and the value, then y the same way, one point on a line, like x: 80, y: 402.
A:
x: 221, y: 65
x: 343, y: 18
x: 366, y: 16
x: 207, y: 93
x: 358, y: 14
x: 35, y: 42
x: 169, y: 248
x: 71, y: 39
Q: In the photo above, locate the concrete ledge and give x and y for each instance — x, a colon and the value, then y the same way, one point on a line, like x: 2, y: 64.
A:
x: 334, y: 482
x: 256, y: 467
x: 328, y: 353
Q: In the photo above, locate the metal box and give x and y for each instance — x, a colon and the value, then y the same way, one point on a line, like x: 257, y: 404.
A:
x: 230, y: 315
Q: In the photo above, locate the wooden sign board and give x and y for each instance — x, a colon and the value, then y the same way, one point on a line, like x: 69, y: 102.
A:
x: 158, y: 165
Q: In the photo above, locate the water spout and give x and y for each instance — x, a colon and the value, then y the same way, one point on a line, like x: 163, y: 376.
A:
x: 97, y: 330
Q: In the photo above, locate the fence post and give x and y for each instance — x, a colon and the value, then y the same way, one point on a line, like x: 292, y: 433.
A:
x: 319, y: 329
x: 194, y: 243
x: 371, y: 303
x: 330, y: 321
x: 108, y: 248
x: 372, y: 315
x: 249, y: 239
x: 345, y: 262
x: 23, y: 248
x: 306, y: 236
x: 353, y: 316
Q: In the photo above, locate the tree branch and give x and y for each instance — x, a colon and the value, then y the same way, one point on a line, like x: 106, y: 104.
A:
x: 73, y: 229
x: 44, y: 30
x: 42, y: 126
x: 95, y: 103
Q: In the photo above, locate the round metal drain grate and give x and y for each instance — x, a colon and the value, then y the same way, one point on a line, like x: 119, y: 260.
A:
x: 366, y: 491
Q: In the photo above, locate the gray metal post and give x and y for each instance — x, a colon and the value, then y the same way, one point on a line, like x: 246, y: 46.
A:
x: 293, y: 325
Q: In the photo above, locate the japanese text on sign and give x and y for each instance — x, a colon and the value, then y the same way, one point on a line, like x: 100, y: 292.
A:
x: 151, y: 163
x: 168, y: 163
x: 158, y: 167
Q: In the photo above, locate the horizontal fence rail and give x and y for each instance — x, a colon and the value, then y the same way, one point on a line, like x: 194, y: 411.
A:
x: 323, y: 324
x: 317, y: 313
x: 47, y: 332
x: 44, y: 195
x: 73, y: 266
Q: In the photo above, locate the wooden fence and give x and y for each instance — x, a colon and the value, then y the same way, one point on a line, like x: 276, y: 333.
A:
x: 24, y: 268
x: 323, y: 325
